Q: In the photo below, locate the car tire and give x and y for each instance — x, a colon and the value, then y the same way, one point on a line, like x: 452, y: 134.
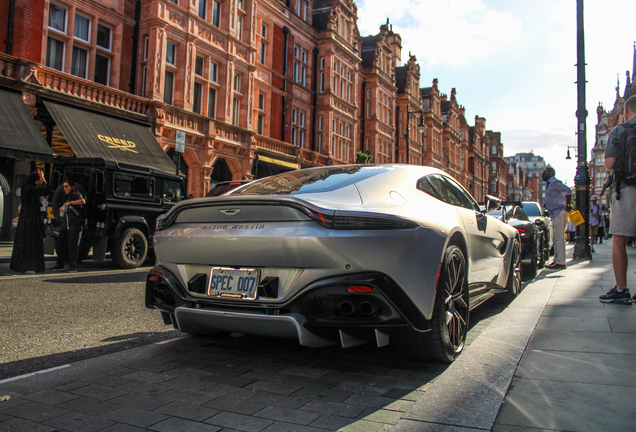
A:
x: 130, y: 249
x: 546, y: 249
x: 513, y: 284
x: 542, y: 253
x: 530, y: 270
x: 445, y: 341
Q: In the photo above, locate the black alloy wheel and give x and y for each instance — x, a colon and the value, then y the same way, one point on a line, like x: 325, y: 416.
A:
x: 130, y: 249
x: 546, y: 248
x: 542, y: 252
x: 449, y: 324
x: 513, y: 285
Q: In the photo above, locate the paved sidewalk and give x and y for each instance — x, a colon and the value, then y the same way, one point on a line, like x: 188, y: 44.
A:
x: 578, y: 371
x: 555, y: 359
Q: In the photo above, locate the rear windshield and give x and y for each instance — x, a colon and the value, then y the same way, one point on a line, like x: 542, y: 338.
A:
x: 532, y: 209
x: 310, y: 181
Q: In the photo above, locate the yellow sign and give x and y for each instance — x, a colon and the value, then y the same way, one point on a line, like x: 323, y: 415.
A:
x: 117, y: 143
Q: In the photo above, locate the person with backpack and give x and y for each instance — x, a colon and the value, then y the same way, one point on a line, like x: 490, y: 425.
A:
x: 620, y: 157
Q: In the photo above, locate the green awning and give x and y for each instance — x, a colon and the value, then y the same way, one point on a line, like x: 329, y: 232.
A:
x: 19, y: 137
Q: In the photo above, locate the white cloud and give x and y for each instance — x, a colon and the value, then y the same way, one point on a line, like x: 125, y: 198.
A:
x: 454, y: 32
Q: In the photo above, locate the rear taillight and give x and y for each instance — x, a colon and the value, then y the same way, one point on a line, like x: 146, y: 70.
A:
x: 359, y: 289
x: 350, y: 222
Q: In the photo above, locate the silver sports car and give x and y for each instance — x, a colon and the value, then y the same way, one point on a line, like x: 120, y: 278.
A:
x: 339, y: 254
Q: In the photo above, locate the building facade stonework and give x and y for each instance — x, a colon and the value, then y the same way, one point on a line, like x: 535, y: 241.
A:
x: 258, y: 87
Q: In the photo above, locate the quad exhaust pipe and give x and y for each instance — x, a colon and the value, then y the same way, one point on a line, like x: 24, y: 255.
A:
x: 348, y: 308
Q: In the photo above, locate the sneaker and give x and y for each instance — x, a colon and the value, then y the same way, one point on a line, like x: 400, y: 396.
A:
x: 592, y: 249
x: 616, y: 296
x: 57, y: 267
x: 72, y: 270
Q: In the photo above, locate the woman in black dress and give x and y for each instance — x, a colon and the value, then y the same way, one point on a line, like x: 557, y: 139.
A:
x: 28, y: 245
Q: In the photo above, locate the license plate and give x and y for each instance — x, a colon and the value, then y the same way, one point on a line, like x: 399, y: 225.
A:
x: 234, y: 284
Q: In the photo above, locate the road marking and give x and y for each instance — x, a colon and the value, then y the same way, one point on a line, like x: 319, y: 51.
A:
x: 166, y: 341
x: 8, y: 380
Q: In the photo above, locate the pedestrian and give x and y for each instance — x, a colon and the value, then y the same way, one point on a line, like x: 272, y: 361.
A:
x: 622, y: 220
x: 28, y: 244
x: 557, y: 201
x: 571, y: 231
x: 595, y: 220
x: 72, y: 225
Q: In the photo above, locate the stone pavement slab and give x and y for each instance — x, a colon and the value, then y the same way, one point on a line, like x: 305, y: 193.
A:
x: 591, y: 368
x: 568, y: 406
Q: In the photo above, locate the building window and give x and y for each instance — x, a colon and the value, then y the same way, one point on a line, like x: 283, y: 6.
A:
x: 237, y: 82
x: 239, y: 27
x: 79, y: 62
x: 57, y: 17
x: 236, y: 107
x: 146, y: 49
x: 320, y: 143
x: 212, y: 103
x: 103, y: 37
x: 143, y: 81
x: 168, y: 87
x: 263, y: 57
x: 82, y: 29
x: 322, y: 82
x: 216, y: 13
x: 202, y: 8
x: 214, y: 72
x: 102, y: 69
x: 320, y: 123
x: 55, y: 54
x: 197, y: 97
x: 171, y: 54
x: 261, y: 114
x: 198, y: 66
x: 294, y: 131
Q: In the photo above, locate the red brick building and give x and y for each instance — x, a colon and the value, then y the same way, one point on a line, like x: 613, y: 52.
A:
x: 256, y: 87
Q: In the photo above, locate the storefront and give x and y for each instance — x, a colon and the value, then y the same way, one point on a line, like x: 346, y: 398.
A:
x: 22, y: 150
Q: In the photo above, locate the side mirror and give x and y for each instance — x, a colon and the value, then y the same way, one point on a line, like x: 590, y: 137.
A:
x: 492, y: 203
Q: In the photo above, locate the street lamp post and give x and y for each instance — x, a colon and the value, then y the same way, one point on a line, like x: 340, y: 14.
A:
x: 420, y: 127
x: 582, y: 180
x: 568, y: 157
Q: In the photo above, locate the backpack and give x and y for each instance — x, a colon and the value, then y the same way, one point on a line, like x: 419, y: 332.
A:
x: 625, y: 165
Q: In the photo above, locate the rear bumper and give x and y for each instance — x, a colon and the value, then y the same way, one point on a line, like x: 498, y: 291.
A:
x: 316, y: 317
x: 291, y: 326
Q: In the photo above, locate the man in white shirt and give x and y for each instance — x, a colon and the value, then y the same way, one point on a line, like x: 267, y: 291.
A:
x: 557, y: 201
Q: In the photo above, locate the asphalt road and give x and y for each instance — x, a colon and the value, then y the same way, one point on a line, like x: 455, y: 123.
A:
x: 59, y: 318
x: 54, y: 319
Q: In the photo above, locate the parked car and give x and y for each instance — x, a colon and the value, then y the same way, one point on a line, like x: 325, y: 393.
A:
x: 534, y: 211
x: 339, y: 254
x: 225, y: 186
x: 532, y: 233
x: 122, y: 205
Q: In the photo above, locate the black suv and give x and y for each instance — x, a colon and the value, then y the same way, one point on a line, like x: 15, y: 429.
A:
x: 122, y: 205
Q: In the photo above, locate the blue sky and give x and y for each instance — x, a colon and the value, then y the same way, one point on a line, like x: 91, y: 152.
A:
x: 513, y: 62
